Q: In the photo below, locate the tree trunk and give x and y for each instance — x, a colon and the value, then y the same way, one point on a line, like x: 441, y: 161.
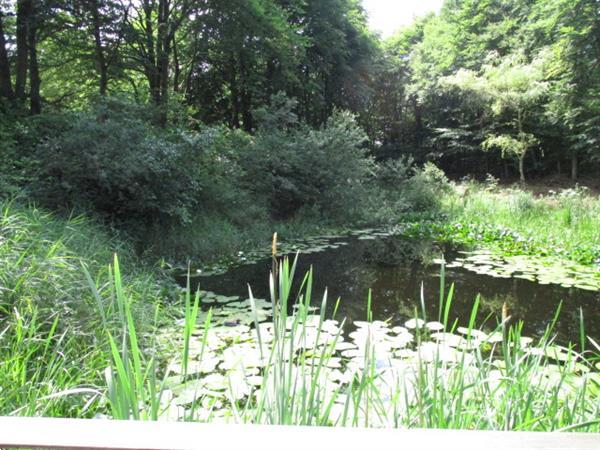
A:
x: 522, y: 167
x: 177, y: 67
x: 99, y: 49
x: 574, y: 166
x: 246, y: 97
x: 418, y: 122
x: 522, y: 155
x: 6, y: 90
x: 150, y: 68
x: 163, y: 51
x: 34, y: 73
x: 24, y: 10
x: 234, y: 93
x: 163, y: 70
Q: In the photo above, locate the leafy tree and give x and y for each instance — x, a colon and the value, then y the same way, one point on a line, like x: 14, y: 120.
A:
x: 574, y: 30
x: 241, y: 53
x: 510, y: 89
x: 295, y: 166
x: 151, y: 30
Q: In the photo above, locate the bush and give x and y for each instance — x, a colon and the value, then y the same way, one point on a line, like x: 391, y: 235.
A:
x: 220, y: 173
x: 293, y: 166
x: 424, y: 191
x: 114, y: 163
x: 400, y: 188
x: 20, y: 137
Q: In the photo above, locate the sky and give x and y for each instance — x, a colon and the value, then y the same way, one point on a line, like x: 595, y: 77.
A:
x: 386, y: 16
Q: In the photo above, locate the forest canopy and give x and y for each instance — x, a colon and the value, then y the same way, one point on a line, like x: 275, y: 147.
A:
x: 506, y: 87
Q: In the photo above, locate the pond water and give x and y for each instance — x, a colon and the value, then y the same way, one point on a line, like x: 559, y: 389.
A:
x: 397, y: 270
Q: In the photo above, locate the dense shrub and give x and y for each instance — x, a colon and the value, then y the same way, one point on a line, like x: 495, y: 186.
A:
x: 114, y: 163
x: 388, y: 185
x: 224, y: 192
x: 19, y: 138
x: 169, y: 188
x: 9, y: 167
x: 400, y: 188
x: 424, y: 191
x: 293, y: 166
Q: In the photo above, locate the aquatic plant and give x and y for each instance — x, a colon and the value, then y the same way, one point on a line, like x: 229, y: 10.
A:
x: 302, y: 368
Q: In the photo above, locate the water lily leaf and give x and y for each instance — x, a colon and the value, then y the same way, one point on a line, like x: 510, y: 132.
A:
x: 226, y: 299
x: 376, y: 324
x: 477, y: 334
x: 405, y: 353
x: 494, y: 338
x: 192, y: 391
x: 413, y: 324
x: 449, y: 339
x: 243, y: 355
x: 434, y: 326
x: 400, y: 341
x: 400, y: 330
x: 437, y: 352
x: 207, y: 365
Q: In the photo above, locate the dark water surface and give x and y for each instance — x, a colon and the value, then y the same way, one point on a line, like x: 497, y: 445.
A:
x: 394, y: 269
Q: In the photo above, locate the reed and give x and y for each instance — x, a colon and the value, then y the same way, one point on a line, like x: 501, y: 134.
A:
x: 116, y: 364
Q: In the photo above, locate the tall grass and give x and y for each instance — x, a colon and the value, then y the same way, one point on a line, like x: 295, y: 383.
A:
x: 51, y: 356
x: 211, y: 237
x: 82, y: 345
x: 561, y: 223
x: 498, y: 384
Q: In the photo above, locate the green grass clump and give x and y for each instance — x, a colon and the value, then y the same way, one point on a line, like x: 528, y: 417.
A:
x: 212, y: 238
x: 51, y: 359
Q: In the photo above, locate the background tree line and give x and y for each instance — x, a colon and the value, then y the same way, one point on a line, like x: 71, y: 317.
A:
x: 159, y: 109
x: 495, y: 86
x: 220, y: 59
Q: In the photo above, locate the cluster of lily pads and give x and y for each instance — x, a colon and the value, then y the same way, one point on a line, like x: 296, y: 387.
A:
x: 506, y: 241
x: 304, y: 246
x: 537, y: 268
x: 255, y: 363
x: 542, y: 270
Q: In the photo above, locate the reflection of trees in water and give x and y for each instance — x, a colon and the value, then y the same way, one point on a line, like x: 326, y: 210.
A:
x: 353, y: 288
x: 392, y: 269
x: 490, y: 307
x: 397, y: 251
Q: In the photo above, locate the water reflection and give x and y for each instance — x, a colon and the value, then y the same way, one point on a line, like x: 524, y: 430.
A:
x: 398, y: 270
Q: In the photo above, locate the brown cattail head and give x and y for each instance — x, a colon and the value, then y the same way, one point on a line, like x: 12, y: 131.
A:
x: 505, y: 312
x: 274, y: 245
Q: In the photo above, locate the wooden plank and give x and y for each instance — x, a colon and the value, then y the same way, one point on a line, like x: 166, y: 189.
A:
x: 111, y: 434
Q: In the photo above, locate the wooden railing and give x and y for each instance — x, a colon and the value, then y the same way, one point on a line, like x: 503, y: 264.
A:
x: 16, y: 432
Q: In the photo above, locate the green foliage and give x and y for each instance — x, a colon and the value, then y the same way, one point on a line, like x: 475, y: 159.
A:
x: 113, y: 163
x: 559, y: 224
x: 509, y: 90
x: 425, y: 191
x: 295, y: 166
x: 52, y: 359
x: 524, y: 69
x: 510, y: 146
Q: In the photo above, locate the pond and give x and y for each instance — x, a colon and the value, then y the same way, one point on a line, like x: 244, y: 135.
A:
x: 399, y: 272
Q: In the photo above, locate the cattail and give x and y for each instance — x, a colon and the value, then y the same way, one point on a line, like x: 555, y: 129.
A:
x: 505, y: 317
x: 274, y: 266
x: 505, y: 313
x: 274, y: 246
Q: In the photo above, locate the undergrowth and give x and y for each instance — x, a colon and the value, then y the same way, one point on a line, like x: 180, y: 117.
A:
x: 562, y: 224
